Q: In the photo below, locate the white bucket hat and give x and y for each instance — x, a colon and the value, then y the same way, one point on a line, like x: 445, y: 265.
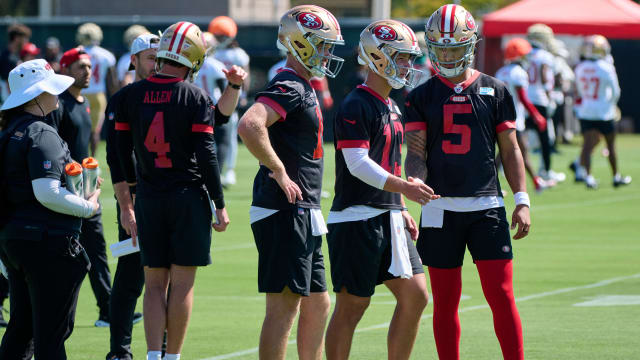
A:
x: 32, y: 78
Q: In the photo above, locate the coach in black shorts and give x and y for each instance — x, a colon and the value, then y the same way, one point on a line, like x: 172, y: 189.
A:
x: 283, y: 130
x: 367, y: 241
x: 129, y: 277
x: 168, y: 122
x: 453, y: 122
x: 72, y: 119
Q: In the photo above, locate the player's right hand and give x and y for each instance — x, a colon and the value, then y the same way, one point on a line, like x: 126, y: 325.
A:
x: 223, y: 220
x: 541, y: 122
x: 417, y: 191
x: 128, y: 221
x: 291, y: 189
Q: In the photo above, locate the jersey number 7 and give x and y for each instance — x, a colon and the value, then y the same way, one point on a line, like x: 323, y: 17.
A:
x: 154, y: 141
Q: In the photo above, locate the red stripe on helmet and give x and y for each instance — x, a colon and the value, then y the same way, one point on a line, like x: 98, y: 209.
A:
x: 333, y: 18
x: 175, y: 33
x: 442, y: 19
x: 184, y: 35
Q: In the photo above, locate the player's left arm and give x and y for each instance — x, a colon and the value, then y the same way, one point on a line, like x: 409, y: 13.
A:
x: 229, y: 98
x: 514, y: 171
x: 409, y: 222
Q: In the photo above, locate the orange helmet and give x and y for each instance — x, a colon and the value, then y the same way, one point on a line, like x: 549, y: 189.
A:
x: 516, y: 48
x: 451, y: 30
x: 223, y: 26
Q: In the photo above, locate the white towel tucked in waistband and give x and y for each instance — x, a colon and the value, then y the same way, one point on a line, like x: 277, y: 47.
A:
x: 400, y: 261
x: 318, y: 227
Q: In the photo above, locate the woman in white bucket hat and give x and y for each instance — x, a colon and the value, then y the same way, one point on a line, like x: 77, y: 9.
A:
x: 39, y: 217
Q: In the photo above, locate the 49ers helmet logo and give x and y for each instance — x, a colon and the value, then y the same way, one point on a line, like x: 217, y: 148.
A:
x: 310, y: 20
x: 471, y: 23
x: 384, y: 32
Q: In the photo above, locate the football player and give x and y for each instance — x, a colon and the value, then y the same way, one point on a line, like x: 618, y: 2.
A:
x: 103, y: 80
x: 367, y: 241
x: 541, y: 82
x: 283, y: 130
x: 168, y: 122
x: 453, y: 123
x: 517, y: 81
x: 598, y: 89
x: 124, y: 68
x: 211, y: 77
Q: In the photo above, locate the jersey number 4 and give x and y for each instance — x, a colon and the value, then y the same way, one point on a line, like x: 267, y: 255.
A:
x: 154, y: 141
x: 450, y: 128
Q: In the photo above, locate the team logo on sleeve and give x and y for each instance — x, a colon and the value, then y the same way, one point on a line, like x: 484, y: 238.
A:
x: 46, y: 164
x: 310, y: 21
x: 385, y: 33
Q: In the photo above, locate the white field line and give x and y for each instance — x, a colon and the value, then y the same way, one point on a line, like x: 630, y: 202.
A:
x: 466, y: 309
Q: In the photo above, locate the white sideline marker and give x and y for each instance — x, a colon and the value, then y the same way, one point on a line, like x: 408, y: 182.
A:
x: 611, y: 300
x: 469, y: 308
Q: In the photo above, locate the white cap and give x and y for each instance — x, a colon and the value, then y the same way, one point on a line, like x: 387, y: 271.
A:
x: 144, y: 42
x: 32, y: 78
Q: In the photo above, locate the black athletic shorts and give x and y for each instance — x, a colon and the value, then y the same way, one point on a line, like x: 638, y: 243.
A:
x: 604, y: 127
x: 288, y: 253
x: 174, y: 228
x: 360, y: 254
x: 484, y: 232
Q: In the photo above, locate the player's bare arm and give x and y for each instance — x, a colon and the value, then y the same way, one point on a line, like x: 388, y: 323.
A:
x: 514, y: 172
x: 416, y: 162
x: 409, y: 222
x: 252, y: 129
x: 229, y: 98
x: 127, y: 214
x: 414, y: 190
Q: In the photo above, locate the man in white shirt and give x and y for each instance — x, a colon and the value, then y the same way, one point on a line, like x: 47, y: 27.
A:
x: 598, y: 89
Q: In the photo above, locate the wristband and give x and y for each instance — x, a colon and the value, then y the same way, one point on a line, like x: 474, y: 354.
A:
x: 522, y: 198
x: 235, y: 86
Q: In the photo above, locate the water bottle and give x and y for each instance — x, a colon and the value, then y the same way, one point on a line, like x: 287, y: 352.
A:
x: 73, y: 172
x: 90, y: 176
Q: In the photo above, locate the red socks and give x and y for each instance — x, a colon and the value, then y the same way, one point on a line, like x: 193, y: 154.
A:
x: 446, y: 289
x: 496, y: 277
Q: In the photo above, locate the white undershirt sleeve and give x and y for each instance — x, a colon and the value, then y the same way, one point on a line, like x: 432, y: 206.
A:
x: 51, y: 195
x: 361, y: 166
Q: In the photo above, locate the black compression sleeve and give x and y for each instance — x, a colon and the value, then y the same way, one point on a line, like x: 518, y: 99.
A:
x: 208, y: 163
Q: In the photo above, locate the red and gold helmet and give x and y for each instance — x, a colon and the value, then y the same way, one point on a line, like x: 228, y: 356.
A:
x: 182, y: 42
x: 516, y: 48
x: 595, y: 47
x: 310, y: 33
x: 381, y: 43
x: 451, y: 36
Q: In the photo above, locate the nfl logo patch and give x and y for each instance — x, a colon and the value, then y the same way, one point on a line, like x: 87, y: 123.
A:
x: 47, y: 164
x: 300, y: 211
x: 506, y: 248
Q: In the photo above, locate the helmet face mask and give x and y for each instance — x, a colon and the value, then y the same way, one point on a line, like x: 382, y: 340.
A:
x: 451, y: 37
x: 390, y: 49
x: 310, y: 33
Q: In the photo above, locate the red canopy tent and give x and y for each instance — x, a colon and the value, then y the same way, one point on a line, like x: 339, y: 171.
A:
x: 616, y: 19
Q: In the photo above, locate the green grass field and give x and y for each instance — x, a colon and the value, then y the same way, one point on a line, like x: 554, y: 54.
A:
x: 584, y: 245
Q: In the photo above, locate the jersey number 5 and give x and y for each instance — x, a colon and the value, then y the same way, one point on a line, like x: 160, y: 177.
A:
x: 154, y: 141
x: 450, y: 128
